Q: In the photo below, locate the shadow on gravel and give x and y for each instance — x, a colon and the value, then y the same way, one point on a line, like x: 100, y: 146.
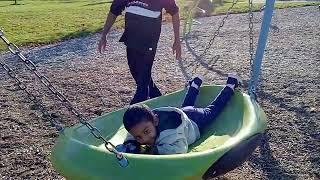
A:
x: 267, y: 163
x: 199, y: 61
x: 306, y: 123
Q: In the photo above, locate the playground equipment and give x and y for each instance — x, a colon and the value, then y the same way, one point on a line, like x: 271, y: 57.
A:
x: 87, y: 150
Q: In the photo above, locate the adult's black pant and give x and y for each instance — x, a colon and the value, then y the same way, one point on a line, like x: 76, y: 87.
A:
x: 140, y: 63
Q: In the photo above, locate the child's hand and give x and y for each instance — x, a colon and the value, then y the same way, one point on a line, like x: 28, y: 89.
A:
x: 149, y: 150
x: 130, y: 146
x: 102, y: 44
x: 133, y: 148
x: 176, y: 49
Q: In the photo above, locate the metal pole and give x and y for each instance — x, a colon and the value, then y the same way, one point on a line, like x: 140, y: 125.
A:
x: 267, y: 16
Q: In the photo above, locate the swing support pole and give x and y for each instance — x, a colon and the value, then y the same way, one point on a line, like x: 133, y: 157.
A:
x: 263, y: 37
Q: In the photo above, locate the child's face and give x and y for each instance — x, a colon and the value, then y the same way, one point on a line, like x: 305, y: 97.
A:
x: 145, y: 132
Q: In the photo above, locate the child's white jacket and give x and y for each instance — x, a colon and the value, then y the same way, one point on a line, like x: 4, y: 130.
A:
x: 174, y: 141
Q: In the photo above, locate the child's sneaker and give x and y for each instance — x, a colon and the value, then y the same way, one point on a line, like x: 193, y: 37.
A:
x: 234, y: 80
x: 196, y: 82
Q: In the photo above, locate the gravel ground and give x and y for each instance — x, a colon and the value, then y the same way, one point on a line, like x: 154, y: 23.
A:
x: 289, y: 92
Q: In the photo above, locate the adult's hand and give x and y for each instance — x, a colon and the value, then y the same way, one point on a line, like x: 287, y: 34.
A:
x: 176, y: 49
x: 102, y: 43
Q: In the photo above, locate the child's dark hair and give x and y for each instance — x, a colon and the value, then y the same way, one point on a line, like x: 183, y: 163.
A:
x: 136, y: 114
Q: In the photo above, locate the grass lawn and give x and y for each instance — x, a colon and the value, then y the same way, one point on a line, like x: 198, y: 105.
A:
x: 36, y: 22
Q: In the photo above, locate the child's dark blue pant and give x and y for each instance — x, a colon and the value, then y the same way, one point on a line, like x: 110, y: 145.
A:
x: 204, y: 116
x: 140, y: 63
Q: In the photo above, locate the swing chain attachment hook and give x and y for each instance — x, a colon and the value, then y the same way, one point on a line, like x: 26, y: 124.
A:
x: 45, y: 81
x: 123, y: 161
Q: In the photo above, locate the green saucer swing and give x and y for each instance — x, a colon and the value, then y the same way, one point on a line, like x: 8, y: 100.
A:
x: 77, y: 155
x: 231, y: 138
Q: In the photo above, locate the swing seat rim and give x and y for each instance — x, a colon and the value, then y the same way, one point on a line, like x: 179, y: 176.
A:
x: 257, y: 120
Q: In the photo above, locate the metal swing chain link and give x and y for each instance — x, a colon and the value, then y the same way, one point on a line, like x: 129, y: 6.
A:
x: 44, y: 80
x: 251, y: 49
x: 234, y: 2
x: 13, y: 48
x: 32, y: 97
x: 211, y: 41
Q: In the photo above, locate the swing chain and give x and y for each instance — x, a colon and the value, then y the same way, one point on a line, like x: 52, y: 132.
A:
x: 251, y: 49
x: 32, y: 97
x: 44, y: 80
x: 205, y: 51
x: 208, y: 67
x: 234, y: 2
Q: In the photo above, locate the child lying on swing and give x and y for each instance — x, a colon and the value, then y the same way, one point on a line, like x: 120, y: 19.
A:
x: 169, y: 130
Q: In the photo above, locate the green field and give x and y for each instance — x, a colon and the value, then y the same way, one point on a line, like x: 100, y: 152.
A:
x: 34, y: 22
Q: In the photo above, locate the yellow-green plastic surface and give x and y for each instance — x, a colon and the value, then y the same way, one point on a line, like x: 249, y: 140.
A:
x: 78, y: 155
